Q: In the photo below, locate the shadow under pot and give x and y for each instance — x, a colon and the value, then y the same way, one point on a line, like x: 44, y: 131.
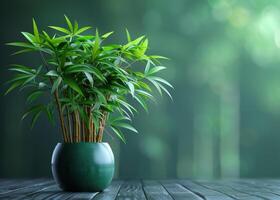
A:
x: 83, y: 167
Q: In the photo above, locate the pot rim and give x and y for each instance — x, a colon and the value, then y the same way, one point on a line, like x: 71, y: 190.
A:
x: 80, y: 143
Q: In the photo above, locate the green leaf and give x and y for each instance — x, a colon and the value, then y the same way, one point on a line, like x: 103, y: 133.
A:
x: 143, y: 47
x: 22, y: 69
x: 35, y: 30
x: 119, y: 118
x: 147, y: 68
x: 22, y: 51
x: 56, y: 84
x: 145, y: 94
x: 82, y: 30
x: 21, y: 44
x: 49, y: 112
x: 76, y: 27
x: 106, y: 35
x: 14, y: 86
x: 98, y: 74
x: 158, y: 57
x: 28, y: 80
x: 129, y: 107
x: 158, y: 79
x: 33, y: 109
x: 156, y: 84
x: 131, y: 88
x: 73, y: 85
x: 42, y: 85
x: 35, y: 117
x: 165, y: 90
x: 34, y: 95
x: 100, y: 95
x: 89, y: 78
x: 134, y: 42
x: 19, y: 77
x: 118, y: 133
x: 126, y: 126
x: 96, y: 45
x: 124, y: 112
x: 52, y: 73
x: 31, y: 38
x: 128, y: 36
x: 144, y: 86
x: 70, y: 26
x: 85, y: 38
x: 141, y: 102
x: 155, y: 70
x: 85, y: 68
x: 46, y: 35
x: 63, y: 30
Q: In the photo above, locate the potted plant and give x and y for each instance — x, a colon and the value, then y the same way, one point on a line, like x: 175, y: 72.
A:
x: 89, y: 84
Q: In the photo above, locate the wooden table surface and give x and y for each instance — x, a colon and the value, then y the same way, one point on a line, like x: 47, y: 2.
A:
x: 147, y: 189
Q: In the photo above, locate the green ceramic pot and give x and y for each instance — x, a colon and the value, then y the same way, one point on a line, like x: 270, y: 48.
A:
x: 79, y: 167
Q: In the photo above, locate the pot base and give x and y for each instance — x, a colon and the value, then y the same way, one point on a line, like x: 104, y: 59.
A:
x: 83, y: 167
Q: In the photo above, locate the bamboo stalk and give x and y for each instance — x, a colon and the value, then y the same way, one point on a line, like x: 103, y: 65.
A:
x: 69, y: 124
x: 60, y: 115
x: 91, y: 126
x: 73, y: 126
x: 101, y: 127
x: 87, y: 126
x: 93, y: 131
x: 65, y: 125
x: 83, y: 131
x: 76, y: 127
x: 61, y: 119
x: 79, y: 127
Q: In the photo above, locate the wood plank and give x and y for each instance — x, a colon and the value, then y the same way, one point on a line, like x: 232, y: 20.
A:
x: 265, y: 185
x: 55, y: 193
x: 8, y: 186
x: 22, y: 192
x: 52, y: 192
x: 131, y: 190
x: 178, y: 192
x: 42, y: 193
x: 109, y: 193
x: 8, y: 182
x: 253, y: 190
x: 248, y: 189
x: 204, y: 192
x: 83, y: 196
x: 78, y: 196
x: 155, y: 191
x: 226, y: 187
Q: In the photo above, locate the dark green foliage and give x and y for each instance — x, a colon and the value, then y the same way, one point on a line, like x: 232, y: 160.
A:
x: 88, y: 79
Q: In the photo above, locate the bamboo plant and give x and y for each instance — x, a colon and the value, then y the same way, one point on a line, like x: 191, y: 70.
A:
x: 89, y: 83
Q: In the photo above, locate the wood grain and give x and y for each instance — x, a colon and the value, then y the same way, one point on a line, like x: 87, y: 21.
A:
x: 247, y: 189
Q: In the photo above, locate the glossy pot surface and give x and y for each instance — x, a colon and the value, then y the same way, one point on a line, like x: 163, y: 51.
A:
x: 83, y: 166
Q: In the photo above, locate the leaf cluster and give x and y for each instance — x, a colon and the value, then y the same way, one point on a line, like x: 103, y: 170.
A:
x: 89, y: 81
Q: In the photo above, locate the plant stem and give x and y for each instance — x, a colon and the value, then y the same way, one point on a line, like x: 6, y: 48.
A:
x: 60, y: 116
x: 61, y: 119
x: 83, y: 131
x: 73, y: 126
x: 101, y: 127
x: 76, y: 127
x: 91, y: 126
x: 87, y: 126
x: 93, y: 131
x: 69, y: 124
x: 79, y: 127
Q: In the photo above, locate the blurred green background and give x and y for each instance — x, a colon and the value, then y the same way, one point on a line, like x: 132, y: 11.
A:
x: 225, y: 67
